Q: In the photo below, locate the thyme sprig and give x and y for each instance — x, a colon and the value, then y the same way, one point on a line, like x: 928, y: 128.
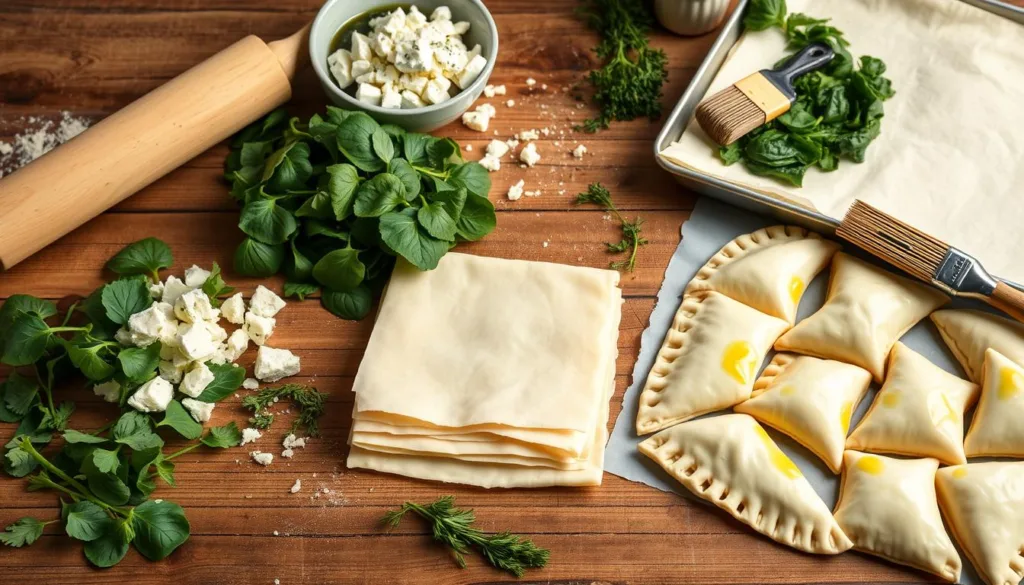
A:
x: 598, y: 194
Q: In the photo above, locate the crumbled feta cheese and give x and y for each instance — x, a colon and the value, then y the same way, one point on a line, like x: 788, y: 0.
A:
x: 441, y: 13
x: 259, y: 329
x: 360, y: 67
x: 340, y: 64
x: 201, y: 411
x: 530, y: 82
x: 251, y: 384
x: 532, y: 193
x: 361, y: 49
x: 410, y: 100
x: 194, y: 307
x: 124, y: 337
x: 151, y: 325
x: 196, y: 380
x: 250, y: 435
x: 236, y: 345
x: 288, y: 453
x: 173, y: 288
x: 510, y: 103
x: 493, y: 90
x: 233, y: 309
x: 415, y: 19
x: 297, y: 487
x: 487, y: 109
x: 491, y: 163
x: 217, y: 333
x: 516, y: 191
x: 529, y: 154
x: 171, y: 371
x: 108, y: 391
x: 476, y: 121
x: 414, y: 83
x: 262, y: 458
x: 512, y: 143
x: 156, y: 290
x: 528, y: 135
x: 196, y: 342
x: 293, y: 442
x: 468, y: 147
x: 153, y: 396
x: 497, y: 148
x: 368, y: 94
x: 195, y: 276
x: 392, y: 100
x: 472, y: 70
x: 435, y: 92
x: 272, y: 364
x: 265, y: 303
x: 579, y: 151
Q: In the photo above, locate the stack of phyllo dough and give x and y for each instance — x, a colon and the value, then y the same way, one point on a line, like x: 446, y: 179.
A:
x: 489, y: 372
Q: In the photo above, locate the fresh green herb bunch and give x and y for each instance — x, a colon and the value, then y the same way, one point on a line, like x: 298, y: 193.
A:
x: 838, y: 111
x: 307, y: 399
x: 454, y: 528
x: 631, y: 242
x: 104, y: 477
x: 628, y: 85
x: 332, y: 202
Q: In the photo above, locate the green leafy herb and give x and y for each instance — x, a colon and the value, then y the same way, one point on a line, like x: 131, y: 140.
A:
x: 160, y: 528
x: 631, y: 242
x: 181, y: 421
x: 147, y: 257
x: 372, y: 193
x: 215, y: 287
x: 309, y: 401
x: 123, y: 298
x: 24, y: 532
x: 838, y: 111
x: 628, y: 86
x: 223, y: 437
x: 226, y: 380
x: 453, y: 527
x: 140, y: 363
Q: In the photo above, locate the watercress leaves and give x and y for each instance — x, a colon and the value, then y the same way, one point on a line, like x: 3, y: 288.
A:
x: 125, y: 297
x: 86, y: 521
x: 765, y: 14
x: 107, y: 550
x: 288, y: 168
x: 160, y: 528
x: 215, y: 287
x: 355, y: 137
x: 25, y: 340
x: 227, y: 378
x: 435, y: 219
x: 147, y: 257
x: 266, y: 221
x: 379, y: 195
x: 340, y: 270
x: 223, y: 437
x: 354, y: 304
x: 254, y: 258
x: 299, y: 290
x: 477, y: 218
x: 139, y: 363
x: 382, y: 145
x: 401, y: 231
x: 24, y: 532
x: 181, y: 421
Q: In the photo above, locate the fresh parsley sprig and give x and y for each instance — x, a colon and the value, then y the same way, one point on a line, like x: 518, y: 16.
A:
x: 631, y: 242
x: 628, y: 85
x: 307, y: 399
x: 453, y: 527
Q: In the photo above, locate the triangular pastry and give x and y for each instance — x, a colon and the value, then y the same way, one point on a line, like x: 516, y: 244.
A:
x: 708, y: 361
x: 811, y: 400
x: 731, y: 461
x: 969, y: 333
x: 768, y: 270
x: 888, y: 508
x: 918, y: 412
x: 867, y: 311
x: 984, y: 506
x: 998, y: 427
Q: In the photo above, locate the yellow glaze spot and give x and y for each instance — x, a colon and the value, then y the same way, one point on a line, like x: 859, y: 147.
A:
x: 941, y: 410
x: 871, y: 464
x: 960, y: 472
x: 796, y: 289
x: 1010, y: 383
x: 787, y: 391
x: 845, y: 414
x: 739, y: 361
x: 777, y: 457
x: 891, y: 399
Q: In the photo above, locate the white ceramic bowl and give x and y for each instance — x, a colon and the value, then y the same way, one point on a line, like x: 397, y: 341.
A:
x: 482, y: 30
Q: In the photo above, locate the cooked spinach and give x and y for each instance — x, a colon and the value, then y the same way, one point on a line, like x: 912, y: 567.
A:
x: 837, y: 113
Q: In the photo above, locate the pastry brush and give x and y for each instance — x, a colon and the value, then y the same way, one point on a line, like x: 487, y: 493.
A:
x: 927, y: 258
x: 759, y: 98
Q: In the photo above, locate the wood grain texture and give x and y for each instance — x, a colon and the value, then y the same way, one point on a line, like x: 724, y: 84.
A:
x: 92, y: 57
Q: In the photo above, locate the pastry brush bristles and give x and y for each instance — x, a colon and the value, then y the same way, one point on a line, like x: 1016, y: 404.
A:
x: 888, y: 238
x: 729, y: 115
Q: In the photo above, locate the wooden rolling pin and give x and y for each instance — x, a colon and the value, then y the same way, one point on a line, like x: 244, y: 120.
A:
x: 149, y: 138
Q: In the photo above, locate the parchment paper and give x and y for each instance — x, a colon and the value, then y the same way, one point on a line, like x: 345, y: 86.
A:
x: 950, y: 159
x: 712, y: 225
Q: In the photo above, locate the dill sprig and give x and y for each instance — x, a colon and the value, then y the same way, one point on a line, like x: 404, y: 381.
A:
x: 597, y: 194
x: 628, y: 86
x: 453, y: 527
x: 307, y: 399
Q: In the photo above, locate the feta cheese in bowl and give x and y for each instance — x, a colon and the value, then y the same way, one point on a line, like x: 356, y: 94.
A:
x: 416, y: 65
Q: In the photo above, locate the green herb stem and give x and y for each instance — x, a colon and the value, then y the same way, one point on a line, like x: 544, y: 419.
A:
x: 80, y: 490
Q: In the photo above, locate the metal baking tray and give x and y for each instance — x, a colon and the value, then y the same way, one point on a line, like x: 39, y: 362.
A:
x: 731, y: 193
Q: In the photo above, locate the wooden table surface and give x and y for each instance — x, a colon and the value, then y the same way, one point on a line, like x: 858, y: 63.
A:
x: 91, y: 57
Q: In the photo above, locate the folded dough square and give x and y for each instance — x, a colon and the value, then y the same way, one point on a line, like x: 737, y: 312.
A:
x: 969, y: 333
x: 489, y: 372
x: 984, y: 506
x: 918, y: 412
x: 811, y: 400
x: 888, y: 508
x: 708, y: 360
x: 998, y: 426
x: 768, y: 269
x: 730, y: 461
x: 868, y: 309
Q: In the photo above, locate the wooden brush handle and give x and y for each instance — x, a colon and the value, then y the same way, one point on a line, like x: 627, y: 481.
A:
x: 149, y: 138
x: 1008, y: 300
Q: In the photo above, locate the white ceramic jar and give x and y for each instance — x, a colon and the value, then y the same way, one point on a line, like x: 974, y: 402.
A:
x: 690, y: 17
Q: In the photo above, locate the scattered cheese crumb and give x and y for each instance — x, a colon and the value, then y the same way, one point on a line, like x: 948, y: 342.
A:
x: 250, y: 435
x: 528, y: 135
x: 530, y: 82
x: 493, y: 90
x: 579, y: 151
x: 544, y: 86
x: 510, y: 103
x: 276, y: 533
x: 251, y: 384
x: 297, y: 487
x: 476, y: 121
x: 287, y: 453
x: 491, y: 163
x: 529, y: 154
x: 516, y: 191
x: 545, y: 244
x: 263, y: 459
x: 497, y: 148
x: 469, y: 148
x: 532, y: 193
x: 293, y: 442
